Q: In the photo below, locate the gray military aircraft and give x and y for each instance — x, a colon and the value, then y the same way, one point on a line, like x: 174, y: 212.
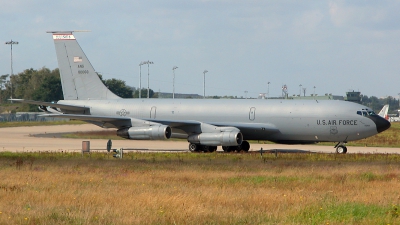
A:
x: 205, y: 123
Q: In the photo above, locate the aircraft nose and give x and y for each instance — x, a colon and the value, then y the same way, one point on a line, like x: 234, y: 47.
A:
x: 381, y: 123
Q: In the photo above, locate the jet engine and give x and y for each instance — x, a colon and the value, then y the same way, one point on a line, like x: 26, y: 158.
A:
x: 156, y: 132
x: 226, y: 138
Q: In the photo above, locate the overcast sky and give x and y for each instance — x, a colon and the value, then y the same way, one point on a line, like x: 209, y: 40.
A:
x: 334, y: 45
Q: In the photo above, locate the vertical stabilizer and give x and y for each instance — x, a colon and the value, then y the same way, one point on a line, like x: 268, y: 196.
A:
x: 384, y: 112
x: 78, y: 77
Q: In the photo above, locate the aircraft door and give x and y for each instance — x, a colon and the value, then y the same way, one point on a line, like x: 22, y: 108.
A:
x: 252, y: 113
x: 153, y: 112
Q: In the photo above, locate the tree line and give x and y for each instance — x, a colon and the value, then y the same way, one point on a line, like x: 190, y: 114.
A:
x: 45, y: 85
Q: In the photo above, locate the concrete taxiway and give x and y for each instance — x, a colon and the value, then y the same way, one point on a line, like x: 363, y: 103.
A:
x: 22, y: 139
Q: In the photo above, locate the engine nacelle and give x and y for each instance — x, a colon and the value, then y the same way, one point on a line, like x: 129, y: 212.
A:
x: 157, y: 132
x: 227, y: 138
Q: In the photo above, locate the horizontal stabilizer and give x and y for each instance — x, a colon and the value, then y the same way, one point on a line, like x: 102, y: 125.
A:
x: 73, y: 108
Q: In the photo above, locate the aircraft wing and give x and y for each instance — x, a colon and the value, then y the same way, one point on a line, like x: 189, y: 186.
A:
x: 102, y: 121
x: 249, y: 130
x: 73, y: 108
x: 188, y: 126
x: 267, y: 127
x: 252, y: 131
x: 121, y: 122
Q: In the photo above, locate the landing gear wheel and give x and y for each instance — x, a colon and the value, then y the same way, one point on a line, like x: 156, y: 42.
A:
x: 212, y: 148
x: 341, y: 149
x: 238, y: 148
x: 245, y: 146
x: 205, y: 148
x: 227, y: 148
x: 194, y: 147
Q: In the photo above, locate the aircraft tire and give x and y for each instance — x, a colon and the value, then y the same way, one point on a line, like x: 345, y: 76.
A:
x: 205, y: 148
x: 194, y: 147
x: 341, y: 149
x: 228, y: 148
x: 212, y: 148
x: 245, y: 146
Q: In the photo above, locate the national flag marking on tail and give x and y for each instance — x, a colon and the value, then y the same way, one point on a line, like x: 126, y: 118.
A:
x: 77, y: 59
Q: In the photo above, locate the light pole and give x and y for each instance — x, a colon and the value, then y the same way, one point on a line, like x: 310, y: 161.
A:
x: 11, y: 43
x: 314, y: 92
x: 245, y: 92
x: 148, y: 77
x: 268, y: 90
x: 300, y: 90
x: 399, y: 101
x: 204, y: 83
x: 140, y: 79
x: 173, y: 81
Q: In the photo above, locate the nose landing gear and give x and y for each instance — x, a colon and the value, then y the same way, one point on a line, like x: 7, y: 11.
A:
x: 341, y: 148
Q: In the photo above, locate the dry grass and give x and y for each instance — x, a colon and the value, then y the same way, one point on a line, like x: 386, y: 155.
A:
x: 199, y: 189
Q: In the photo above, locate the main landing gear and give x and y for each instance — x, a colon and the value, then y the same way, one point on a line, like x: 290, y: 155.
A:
x: 245, y: 146
x: 200, y: 148
x: 341, y: 148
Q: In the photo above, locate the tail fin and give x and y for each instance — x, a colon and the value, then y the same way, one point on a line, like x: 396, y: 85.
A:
x: 78, y: 77
x: 384, y: 112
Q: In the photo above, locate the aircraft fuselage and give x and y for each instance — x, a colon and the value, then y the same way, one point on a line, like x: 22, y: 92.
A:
x: 295, y: 121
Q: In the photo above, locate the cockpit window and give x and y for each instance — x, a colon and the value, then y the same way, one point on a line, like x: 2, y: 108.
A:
x: 365, y: 112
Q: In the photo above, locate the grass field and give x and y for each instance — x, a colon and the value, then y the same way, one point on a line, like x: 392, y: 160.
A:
x: 184, y: 188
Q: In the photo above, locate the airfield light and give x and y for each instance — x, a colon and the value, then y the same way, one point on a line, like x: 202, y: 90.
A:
x: 300, y: 90
x: 314, y: 92
x: 204, y: 83
x: 119, y: 153
x: 11, y: 43
x: 140, y: 79
x: 173, y: 81
x: 148, y: 77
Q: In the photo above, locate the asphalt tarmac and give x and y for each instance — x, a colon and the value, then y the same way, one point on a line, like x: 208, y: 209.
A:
x: 24, y: 139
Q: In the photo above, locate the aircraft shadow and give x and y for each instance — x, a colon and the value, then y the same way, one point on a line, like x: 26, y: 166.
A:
x: 283, y: 151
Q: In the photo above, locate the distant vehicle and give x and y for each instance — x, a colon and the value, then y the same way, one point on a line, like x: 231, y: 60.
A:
x: 395, y: 118
x: 204, y: 123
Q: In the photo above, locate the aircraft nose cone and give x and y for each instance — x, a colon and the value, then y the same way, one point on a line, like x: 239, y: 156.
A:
x: 381, y: 123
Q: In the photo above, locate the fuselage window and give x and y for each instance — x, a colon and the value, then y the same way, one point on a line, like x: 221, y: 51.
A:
x: 359, y: 113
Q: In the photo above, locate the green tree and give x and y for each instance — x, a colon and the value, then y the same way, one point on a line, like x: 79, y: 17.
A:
x: 118, y: 87
x: 49, y: 90
x: 3, y: 82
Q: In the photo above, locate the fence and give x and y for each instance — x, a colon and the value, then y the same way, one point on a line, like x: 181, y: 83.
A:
x: 27, y: 116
